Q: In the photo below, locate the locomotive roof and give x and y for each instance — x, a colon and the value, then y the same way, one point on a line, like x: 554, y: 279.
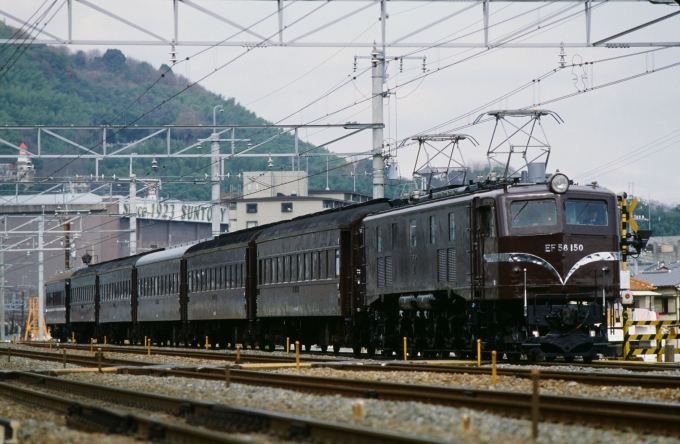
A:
x: 336, y: 218
x: 164, y: 255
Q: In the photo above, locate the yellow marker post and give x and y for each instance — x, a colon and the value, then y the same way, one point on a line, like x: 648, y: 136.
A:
x: 206, y: 343
x: 91, y: 345
x: 144, y: 345
x: 227, y: 376
x: 297, y: 355
x: 479, y: 352
x: 73, y: 337
x: 50, y: 344
x: 287, y: 345
x: 493, y: 367
x: 15, y: 339
x: 99, y: 359
x: 9, y: 353
x: 64, y: 350
x: 405, y: 347
x: 104, y: 340
x: 238, y: 352
x: 148, y: 349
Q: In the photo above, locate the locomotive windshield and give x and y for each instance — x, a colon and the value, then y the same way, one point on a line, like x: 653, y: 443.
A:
x: 586, y: 212
x: 528, y: 213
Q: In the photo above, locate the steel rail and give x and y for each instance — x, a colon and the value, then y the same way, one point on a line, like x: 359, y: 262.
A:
x: 218, y: 416
x: 104, y: 420
x: 582, y: 377
x: 645, y: 417
x: 207, y: 355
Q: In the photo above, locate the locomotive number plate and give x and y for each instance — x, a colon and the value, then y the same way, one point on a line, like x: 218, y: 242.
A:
x: 563, y: 247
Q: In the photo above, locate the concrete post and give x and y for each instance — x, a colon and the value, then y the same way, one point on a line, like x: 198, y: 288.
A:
x: 41, y: 280
x: 215, y: 182
x: 377, y: 91
x: 133, y: 215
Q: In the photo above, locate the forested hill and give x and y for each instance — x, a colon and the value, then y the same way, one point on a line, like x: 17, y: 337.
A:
x: 44, y: 85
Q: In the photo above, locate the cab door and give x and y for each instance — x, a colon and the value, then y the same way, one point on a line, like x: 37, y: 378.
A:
x: 484, y: 241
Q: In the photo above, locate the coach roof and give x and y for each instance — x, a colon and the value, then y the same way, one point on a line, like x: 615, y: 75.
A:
x: 337, y: 218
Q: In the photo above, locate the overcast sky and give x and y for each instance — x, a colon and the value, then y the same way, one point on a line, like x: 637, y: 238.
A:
x: 600, y: 126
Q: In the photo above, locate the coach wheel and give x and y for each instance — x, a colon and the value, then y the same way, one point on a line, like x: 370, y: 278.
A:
x: 324, y: 348
x: 336, y: 348
x: 568, y: 359
x: 356, y: 350
x: 549, y: 359
x: 587, y: 359
x: 371, y: 350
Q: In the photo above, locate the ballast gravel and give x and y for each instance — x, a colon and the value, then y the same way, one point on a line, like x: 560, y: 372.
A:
x: 509, y: 383
x: 41, y: 426
x: 410, y: 418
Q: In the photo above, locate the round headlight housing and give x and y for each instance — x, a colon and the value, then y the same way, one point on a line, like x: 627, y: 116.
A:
x: 559, y: 183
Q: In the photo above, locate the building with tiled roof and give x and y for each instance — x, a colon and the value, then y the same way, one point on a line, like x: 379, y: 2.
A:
x: 666, y: 279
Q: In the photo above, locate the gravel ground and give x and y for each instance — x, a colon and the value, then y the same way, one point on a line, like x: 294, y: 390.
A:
x: 577, y: 368
x: 41, y: 426
x: 403, y: 417
x: 553, y: 387
x: 25, y: 364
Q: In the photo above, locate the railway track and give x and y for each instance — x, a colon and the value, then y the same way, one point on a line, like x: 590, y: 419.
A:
x: 190, y: 353
x: 590, y: 378
x: 318, y: 356
x: 197, y: 414
x: 644, y: 417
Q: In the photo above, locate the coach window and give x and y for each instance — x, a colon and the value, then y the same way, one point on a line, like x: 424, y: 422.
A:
x: 337, y: 263
x: 300, y: 267
x: 315, y: 265
x: 251, y: 208
x: 433, y: 229
x: 322, y: 265
x: 378, y: 237
x: 394, y: 236
x: 233, y: 275
x: 307, y: 267
x: 286, y: 268
x: 412, y: 232
x: 279, y: 269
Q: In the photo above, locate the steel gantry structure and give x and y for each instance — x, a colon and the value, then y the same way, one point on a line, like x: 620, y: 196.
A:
x: 173, y: 17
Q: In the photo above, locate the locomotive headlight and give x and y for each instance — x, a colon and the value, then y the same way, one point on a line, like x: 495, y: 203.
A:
x: 559, y: 183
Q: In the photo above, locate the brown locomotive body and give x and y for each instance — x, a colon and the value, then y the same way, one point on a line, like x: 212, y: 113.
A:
x: 518, y: 266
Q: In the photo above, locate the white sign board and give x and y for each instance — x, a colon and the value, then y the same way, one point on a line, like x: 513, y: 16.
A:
x: 200, y: 212
x: 625, y: 279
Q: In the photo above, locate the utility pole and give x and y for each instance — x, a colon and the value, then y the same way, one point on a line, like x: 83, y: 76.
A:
x: 133, y: 215
x: 378, y: 77
x: 215, y: 175
x: 2, y: 290
x: 378, y: 61
x: 41, y: 280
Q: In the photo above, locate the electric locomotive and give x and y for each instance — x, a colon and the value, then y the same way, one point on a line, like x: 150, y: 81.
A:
x: 526, y: 268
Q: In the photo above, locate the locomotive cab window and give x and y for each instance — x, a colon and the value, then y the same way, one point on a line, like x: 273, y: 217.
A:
x: 586, y: 212
x: 531, y: 213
